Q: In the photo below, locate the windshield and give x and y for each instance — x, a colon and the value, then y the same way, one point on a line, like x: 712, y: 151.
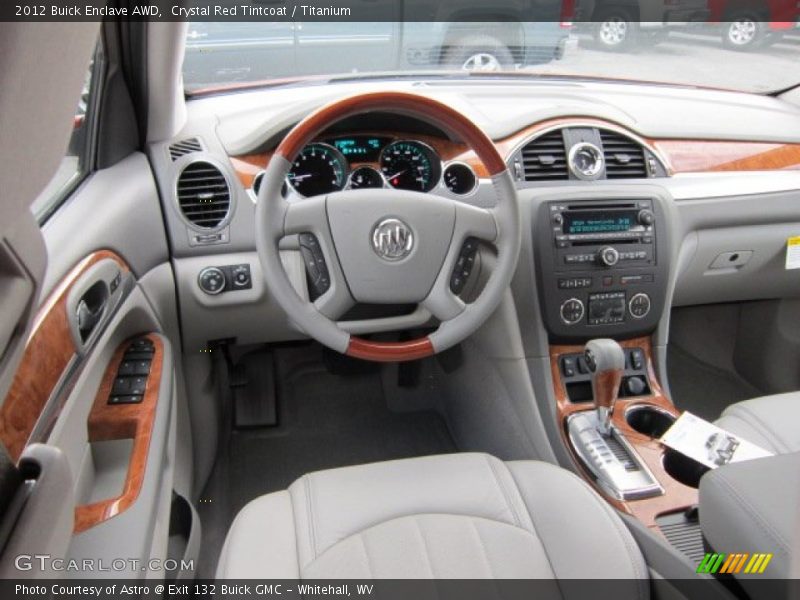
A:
x: 743, y: 54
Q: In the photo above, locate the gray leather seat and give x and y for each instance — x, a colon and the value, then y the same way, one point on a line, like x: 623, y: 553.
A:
x: 450, y: 516
x: 770, y: 421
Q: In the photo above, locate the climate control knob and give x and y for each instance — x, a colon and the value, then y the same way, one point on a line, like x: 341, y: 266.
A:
x: 639, y: 306
x: 572, y: 311
x: 608, y: 256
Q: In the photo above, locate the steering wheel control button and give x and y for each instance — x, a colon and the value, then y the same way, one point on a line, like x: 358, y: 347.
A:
x: 608, y: 256
x: 639, y: 306
x: 392, y: 240
x: 319, y: 279
x: 464, y: 265
x: 211, y: 280
x: 572, y: 311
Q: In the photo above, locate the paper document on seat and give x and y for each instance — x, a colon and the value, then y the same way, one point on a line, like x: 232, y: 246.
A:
x: 708, y: 444
x: 793, y: 253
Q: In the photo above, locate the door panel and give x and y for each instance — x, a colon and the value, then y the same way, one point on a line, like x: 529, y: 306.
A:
x: 118, y: 458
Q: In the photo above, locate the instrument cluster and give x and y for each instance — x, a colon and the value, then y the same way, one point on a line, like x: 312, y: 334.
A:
x: 375, y: 161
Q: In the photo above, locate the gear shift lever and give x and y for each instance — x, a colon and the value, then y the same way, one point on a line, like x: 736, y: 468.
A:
x: 606, y: 361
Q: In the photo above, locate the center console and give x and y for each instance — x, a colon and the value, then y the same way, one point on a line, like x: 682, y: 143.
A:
x: 603, y: 267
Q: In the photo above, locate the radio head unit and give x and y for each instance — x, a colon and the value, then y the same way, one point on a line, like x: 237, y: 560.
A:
x: 600, y: 266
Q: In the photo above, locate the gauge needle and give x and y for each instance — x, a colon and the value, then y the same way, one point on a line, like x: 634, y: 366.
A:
x: 390, y: 177
x: 301, y: 177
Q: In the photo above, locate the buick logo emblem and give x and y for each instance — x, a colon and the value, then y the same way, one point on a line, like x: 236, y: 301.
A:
x: 392, y: 239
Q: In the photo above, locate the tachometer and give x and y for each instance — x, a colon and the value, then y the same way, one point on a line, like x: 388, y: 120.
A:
x: 411, y: 165
x: 318, y: 169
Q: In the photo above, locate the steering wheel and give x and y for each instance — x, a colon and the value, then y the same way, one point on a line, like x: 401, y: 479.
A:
x: 386, y: 245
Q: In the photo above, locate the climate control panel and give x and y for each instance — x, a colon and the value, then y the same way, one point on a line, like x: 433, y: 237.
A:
x: 602, y: 266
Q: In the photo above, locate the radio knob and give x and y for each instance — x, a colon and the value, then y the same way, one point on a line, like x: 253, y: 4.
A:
x: 608, y: 256
x: 646, y: 217
x: 558, y: 219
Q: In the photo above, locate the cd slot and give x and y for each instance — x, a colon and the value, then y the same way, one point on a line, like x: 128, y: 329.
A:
x: 603, y: 206
x: 606, y: 241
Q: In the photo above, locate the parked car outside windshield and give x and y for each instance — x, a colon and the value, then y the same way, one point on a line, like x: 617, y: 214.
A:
x: 222, y: 54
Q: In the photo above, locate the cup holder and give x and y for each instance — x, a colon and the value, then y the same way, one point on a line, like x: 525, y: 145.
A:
x: 648, y: 420
x: 683, y: 469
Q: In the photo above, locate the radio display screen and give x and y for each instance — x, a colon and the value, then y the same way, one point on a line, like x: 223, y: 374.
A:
x: 599, y: 221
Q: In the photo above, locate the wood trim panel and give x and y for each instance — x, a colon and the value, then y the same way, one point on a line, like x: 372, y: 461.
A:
x: 389, y: 351
x: 48, y: 353
x: 118, y: 422
x: 693, y: 156
x: 677, y: 496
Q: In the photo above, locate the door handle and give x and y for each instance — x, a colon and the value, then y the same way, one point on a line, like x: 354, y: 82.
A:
x: 91, y: 308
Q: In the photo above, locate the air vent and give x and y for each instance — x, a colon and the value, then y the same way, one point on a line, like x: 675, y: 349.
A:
x: 203, y: 194
x: 624, y: 157
x: 545, y: 158
x: 184, y: 147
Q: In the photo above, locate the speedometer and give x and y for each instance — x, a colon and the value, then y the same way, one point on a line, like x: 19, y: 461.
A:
x: 318, y: 169
x: 411, y: 165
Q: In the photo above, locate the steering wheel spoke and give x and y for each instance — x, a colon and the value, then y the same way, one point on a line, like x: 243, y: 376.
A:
x: 308, y: 220
x: 472, y: 221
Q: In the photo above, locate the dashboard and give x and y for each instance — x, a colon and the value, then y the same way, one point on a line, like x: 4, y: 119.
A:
x: 589, y: 162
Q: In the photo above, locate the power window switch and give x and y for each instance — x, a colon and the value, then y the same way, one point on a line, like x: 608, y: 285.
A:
x: 122, y: 386
x: 126, y: 367
x: 137, y: 399
x: 138, y: 385
x: 140, y: 367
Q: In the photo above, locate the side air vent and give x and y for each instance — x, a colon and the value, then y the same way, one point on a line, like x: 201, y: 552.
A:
x: 624, y: 157
x: 184, y: 147
x: 203, y: 194
x: 545, y: 158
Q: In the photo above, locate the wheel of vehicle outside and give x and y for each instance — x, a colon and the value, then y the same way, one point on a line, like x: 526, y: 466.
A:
x: 744, y: 33
x: 614, y: 31
x: 480, y: 54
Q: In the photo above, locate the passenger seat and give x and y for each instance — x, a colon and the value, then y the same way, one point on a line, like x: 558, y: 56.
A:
x: 772, y: 422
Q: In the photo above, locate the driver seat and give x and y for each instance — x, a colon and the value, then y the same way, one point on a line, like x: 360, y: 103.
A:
x: 450, y: 516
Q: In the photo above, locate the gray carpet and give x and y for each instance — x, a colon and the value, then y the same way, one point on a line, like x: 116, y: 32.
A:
x: 703, y: 389
x: 326, y: 421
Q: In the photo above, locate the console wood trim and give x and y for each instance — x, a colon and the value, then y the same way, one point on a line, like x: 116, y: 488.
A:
x: 118, y: 422
x: 677, y: 496
x: 48, y: 353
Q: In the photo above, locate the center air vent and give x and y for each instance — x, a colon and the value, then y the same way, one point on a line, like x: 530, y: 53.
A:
x: 545, y: 158
x: 203, y: 194
x: 624, y: 157
x: 184, y: 147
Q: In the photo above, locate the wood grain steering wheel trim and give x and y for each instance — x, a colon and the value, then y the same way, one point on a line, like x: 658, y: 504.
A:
x: 389, y: 351
x: 426, y: 109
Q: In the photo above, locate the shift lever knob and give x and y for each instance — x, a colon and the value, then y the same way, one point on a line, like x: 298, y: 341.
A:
x: 606, y: 361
